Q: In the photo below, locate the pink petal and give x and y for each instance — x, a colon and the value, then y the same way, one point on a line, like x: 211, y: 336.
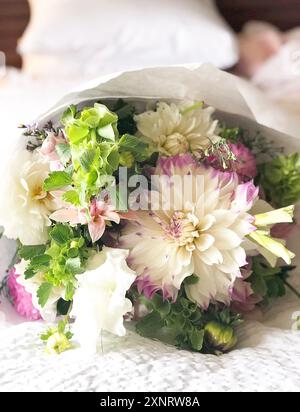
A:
x: 96, y: 229
x: 112, y: 216
x: 71, y: 216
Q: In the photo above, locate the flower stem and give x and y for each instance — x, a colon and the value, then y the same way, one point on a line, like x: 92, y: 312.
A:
x: 295, y: 291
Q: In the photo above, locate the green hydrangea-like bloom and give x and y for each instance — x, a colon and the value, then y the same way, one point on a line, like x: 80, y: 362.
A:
x: 280, y: 180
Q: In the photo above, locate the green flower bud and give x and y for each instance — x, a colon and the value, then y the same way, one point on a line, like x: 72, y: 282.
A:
x: 221, y: 337
x: 126, y: 159
x: 57, y: 343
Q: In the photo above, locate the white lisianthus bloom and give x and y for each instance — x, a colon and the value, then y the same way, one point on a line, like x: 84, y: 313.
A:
x: 178, y: 128
x: 205, y: 237
x: 25, y: 206
x: 49, y: 311
x: 100, y: 300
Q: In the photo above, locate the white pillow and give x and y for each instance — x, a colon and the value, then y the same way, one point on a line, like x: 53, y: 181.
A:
x: 114, y: 35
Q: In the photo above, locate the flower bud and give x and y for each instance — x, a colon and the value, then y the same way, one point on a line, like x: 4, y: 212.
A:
x: 220, y: 336
x: 57, y: 343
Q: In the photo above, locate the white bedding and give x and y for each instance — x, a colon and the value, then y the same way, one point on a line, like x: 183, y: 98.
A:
x: 268, y: 357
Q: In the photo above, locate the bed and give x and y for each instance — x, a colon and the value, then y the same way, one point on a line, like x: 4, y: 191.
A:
x: 268, y: 356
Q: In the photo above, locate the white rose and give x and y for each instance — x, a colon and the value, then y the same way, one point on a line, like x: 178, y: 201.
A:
x: 100, y: 300
x: 25, y: 207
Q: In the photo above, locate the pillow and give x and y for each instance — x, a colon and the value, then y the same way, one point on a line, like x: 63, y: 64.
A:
x: 122, y: 34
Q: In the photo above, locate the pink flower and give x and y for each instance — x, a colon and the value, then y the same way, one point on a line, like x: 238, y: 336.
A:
x: 22, y: 300
x: 48, y: 150
x: 244, y: 165
x: 101, y: 212
x: 96, y: 217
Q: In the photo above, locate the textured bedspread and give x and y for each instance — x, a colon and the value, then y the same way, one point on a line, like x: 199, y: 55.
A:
x: 267, y: 359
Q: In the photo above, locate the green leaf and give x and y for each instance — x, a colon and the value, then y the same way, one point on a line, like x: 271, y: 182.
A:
x: 106, y: 116
x: 77, y: 132
x: 43, y: 293
x: 29, y: 273
x: 149, y: 325
x: 70, y: 289
x: 113, y: 159
x: 73, y: 265
x: 64, y: 153
x: 107, y: 132
x: 87, y: 159
x: 191, y: 280
x: 134, y: 145
x: 40, y: 261
x: 72, y: 197
x: 57, y: 180
x: 258, y: 285
x: 29, y: 252
x: 61, y: 234
x: 163, y: 307
x: 69, y: 115
x: 197, y: 339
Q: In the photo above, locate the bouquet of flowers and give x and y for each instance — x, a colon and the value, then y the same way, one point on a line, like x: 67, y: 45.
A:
x: 150, y: 210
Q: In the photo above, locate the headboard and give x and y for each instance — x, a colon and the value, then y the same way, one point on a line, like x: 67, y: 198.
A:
x: 285, y: 14
x: 14, y: 16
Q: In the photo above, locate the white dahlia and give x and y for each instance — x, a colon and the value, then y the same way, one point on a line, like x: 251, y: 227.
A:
x: 178, y: 128
x: 204, y: 238
x: 25, y: 206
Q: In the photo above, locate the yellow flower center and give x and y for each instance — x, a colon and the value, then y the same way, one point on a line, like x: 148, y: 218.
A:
x: 183, y: 230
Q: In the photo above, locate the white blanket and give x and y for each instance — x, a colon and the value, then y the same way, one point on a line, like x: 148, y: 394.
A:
x: 267, y: 359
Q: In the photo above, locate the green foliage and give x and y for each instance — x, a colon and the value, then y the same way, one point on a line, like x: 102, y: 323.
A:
x: 63, y: 151
x: 57, y: 180
x: 59, y: 262
x: 44, y: 292
x: 262, y: 148
x: 135, y: 146
x: 29, y: 252
x: 231, y: 135
x: 187, y: 326
x: 266, y: 281
x: 96, y: 148
x: 280, y: 180
x: 125, y: 113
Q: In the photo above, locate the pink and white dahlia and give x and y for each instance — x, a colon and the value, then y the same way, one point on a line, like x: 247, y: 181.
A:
x: 204, y: 237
